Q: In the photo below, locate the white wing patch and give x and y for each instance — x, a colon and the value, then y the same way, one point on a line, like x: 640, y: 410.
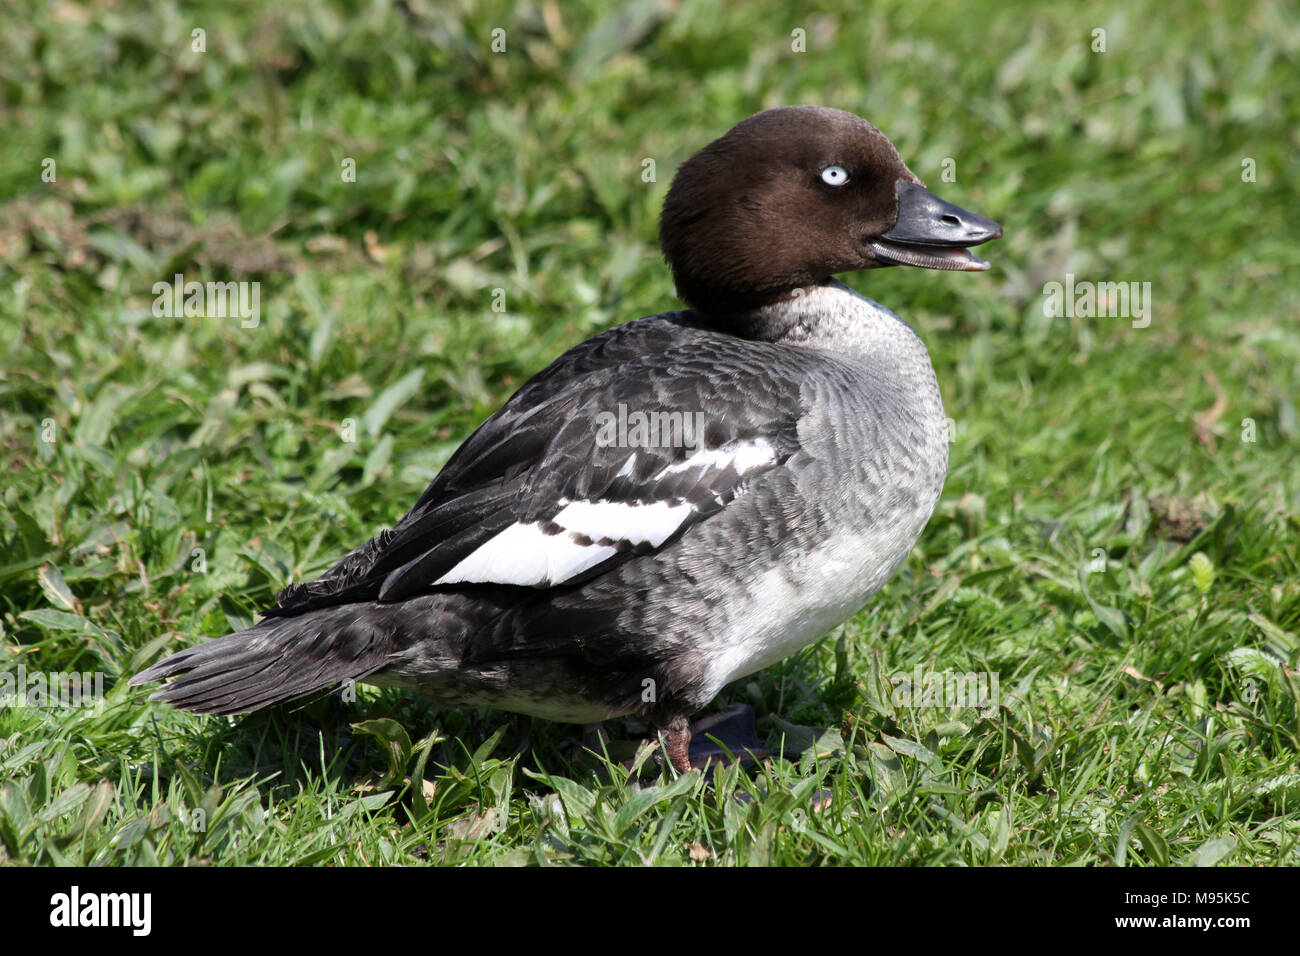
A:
x: 523, y: 554
x: 526, y: 555
x: 743, y: 456
x: 650, y: 523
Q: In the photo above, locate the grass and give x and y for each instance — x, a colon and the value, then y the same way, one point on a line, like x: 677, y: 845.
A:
x: 1117, y: 540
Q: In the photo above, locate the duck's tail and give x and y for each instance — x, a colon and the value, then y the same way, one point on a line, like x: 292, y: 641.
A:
x: 278, y: 660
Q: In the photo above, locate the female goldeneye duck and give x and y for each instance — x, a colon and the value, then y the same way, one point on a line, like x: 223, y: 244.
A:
x: 553, y: 569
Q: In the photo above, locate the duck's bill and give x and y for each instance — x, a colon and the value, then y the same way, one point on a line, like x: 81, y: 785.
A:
x: 933, y: 234
x: 957, y: 260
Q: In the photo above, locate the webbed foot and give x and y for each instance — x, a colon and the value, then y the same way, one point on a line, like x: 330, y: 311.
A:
x: 729, y: 734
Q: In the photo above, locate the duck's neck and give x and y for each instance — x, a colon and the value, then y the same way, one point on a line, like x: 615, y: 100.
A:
x: 898, y: 380
x: 831, y: 317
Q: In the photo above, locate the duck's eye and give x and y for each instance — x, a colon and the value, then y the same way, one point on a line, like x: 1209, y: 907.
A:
x: 835, y: 176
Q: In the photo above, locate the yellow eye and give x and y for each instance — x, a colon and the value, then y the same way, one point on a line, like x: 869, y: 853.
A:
x: 835, y: 176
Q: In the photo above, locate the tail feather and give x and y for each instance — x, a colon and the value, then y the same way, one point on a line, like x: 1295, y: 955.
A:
x: 278, y: 660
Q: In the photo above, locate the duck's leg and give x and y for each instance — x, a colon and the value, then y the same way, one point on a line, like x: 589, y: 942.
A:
x: 729, y: 731
x: 594, y: 740
x: 677, y: 741
x: 713, y: 738
x: 710, y: 739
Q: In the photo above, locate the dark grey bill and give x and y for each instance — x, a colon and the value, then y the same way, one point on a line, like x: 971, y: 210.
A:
x: 933, y: 234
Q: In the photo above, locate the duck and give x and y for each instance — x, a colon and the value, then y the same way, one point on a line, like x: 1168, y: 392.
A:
x: 674, y: 504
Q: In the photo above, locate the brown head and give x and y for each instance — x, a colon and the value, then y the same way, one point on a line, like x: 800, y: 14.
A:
x: 794, y: 195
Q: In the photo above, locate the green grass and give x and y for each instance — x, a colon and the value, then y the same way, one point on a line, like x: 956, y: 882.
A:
x: 165, y: 476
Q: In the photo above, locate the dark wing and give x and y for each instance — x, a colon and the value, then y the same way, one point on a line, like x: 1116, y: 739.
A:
x: 613, y: 451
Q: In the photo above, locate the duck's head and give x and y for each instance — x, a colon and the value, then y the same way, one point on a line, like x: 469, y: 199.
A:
x: 791, y: 196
